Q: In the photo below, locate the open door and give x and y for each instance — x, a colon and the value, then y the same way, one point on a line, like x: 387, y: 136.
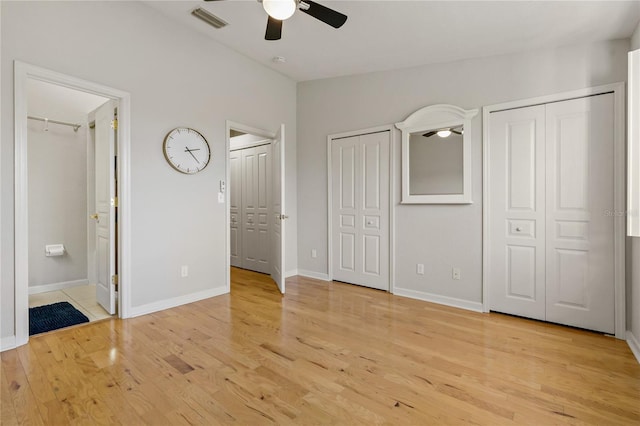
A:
x: 105, y: 215
x: 277, y: 240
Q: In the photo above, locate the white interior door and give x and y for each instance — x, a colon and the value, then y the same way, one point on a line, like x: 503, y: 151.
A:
x: 580, y: 219
x: 105, y: 209
x: 517, y: 205
x: 235, y: 201
x: 360, y: 209
x: 278, y: 199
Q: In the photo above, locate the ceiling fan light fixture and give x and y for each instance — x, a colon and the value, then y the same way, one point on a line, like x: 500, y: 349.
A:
x: 445, y: 133
x: 280, y: 9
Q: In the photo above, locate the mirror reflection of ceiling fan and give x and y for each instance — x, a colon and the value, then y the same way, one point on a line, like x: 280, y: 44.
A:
x: 281, y: 10
x: 445, y: 132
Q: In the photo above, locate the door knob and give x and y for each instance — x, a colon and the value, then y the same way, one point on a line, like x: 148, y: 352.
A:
x: 518, y: 229
x: 94, y: 216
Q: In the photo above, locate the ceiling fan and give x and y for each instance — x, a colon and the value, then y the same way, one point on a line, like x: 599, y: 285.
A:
x: 445, y: 132
x: 280, y: 10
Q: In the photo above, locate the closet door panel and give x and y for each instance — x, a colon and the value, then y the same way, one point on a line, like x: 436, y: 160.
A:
x: 235, y: 206
x: 249, y: 210
x: 517, y: 223
x: 580, y: 233
x: 345, y: 211
x: 262, y: 199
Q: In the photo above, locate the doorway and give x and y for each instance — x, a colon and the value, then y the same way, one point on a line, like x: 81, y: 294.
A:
x: 255, y: 200
x: 250, y: 190
x: 66, y: 169
x: 60, y: 252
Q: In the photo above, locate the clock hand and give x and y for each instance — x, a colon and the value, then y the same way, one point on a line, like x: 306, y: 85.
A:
x: 194, y: 157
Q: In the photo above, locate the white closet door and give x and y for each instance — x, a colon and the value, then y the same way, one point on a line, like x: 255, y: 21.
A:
x: 360, y: 204
x: 580, y: 233
x: 235, y: 201
x: 256, y: 175
x: 262, y: 184
x: 517, y: 203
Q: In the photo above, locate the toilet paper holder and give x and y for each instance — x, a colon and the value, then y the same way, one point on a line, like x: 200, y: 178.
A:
x: 54, y: 250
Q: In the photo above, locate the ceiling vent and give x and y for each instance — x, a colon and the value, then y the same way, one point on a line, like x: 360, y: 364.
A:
x: 209, y: 18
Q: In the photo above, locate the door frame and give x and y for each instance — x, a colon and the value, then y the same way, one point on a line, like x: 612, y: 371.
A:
x: 22, y: 73
x: 229, y: 125
x: 619, y: 193
x: 392, y: 197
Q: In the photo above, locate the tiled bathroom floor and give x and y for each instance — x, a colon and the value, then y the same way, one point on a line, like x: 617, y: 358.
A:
x: 83, y: 298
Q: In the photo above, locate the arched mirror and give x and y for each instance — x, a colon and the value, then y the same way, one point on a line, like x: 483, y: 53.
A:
x: 436, y: 155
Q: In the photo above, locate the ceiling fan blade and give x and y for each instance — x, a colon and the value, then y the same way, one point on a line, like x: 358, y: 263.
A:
x: 274, y: 29
x: 324, y: 14
x: 429, y: 134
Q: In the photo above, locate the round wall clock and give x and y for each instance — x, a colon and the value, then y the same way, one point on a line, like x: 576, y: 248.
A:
x: 186, y: 150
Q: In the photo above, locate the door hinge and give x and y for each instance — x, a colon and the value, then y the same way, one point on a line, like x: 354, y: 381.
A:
x: 114, y: 280
x: 114, y: 202
x: 114, y: 124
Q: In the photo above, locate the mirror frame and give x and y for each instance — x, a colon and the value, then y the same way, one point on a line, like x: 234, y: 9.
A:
x: 431, y: 118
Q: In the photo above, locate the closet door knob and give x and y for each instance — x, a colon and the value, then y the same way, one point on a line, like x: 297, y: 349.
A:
x: 518, y: 229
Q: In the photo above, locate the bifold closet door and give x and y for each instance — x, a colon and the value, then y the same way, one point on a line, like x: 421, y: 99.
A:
x: 256, y: 178
x: 360, y: 210
x: 517, y: 204
x: 580, y: 222
x: 551, y: 226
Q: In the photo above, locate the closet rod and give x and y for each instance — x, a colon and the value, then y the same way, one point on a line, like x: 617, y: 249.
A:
x: 46, y: 120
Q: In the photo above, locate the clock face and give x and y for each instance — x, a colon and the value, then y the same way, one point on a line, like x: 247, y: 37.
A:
x: 186, y: 150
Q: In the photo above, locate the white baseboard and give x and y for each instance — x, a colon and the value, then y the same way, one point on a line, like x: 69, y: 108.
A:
x: 7, y: 343
x: 56, y: 286
x: 633, y: 344
x: 442, y: 300
x: 161, y: 305
x: 313, y: 274
x: 291, y: 273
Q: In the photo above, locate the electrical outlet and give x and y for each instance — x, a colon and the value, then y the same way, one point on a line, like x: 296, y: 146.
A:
x: 184, y: 271
x: 420, y: 268
x: 455, y: 273
x: 314, y: 253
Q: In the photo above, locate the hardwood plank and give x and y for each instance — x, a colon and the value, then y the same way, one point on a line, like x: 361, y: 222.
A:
x: 323, y: 353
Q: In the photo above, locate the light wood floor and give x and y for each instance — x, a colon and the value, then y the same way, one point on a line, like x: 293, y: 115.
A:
x: 325, y: 353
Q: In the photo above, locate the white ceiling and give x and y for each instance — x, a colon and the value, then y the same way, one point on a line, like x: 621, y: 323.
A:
x: 46, y: 100
x: 382, y: 35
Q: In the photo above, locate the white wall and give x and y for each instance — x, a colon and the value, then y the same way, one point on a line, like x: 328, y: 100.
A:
x: 245, y: 141
x: 57, y: 166
x: 633, y: 264
x: 175, y: 78
x: 440, y: 236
